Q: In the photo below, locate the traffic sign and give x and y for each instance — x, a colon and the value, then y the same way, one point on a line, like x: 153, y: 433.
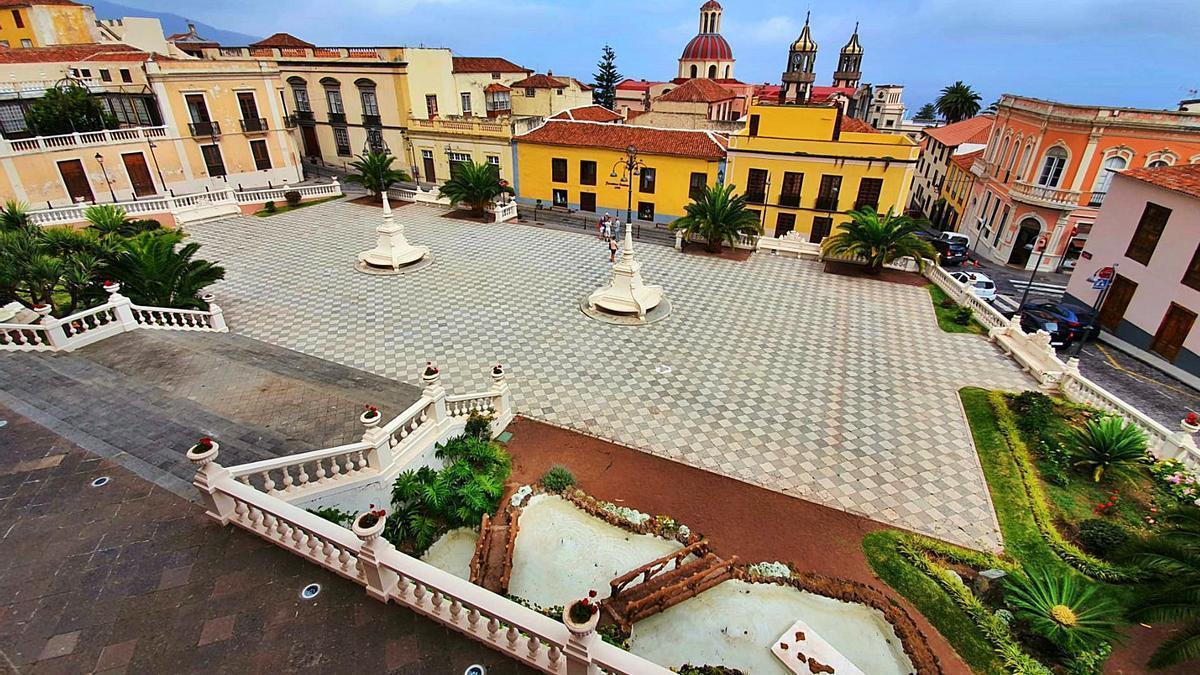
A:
x: 1101, y: 284
x: 1105, y: 273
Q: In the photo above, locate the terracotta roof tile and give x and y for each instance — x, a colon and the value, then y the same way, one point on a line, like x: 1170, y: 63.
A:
x: 966, y: 159
x: 648, y: 140
x: 630, y: 84
x: 820, y: 94
x: 697, y: 91
x: 1183, y: 178
x: 855, y: 125
x: 282, y: 40
x: 27, y: 3
x: 588, y: 113
x: 974, y: 130
x: 486, y: 64
x: 73, y: 53
x: 495, y: 87
x: 539, y: 81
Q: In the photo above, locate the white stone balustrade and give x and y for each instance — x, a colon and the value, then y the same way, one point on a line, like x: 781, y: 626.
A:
x: 263, y: 195
x: 306, y: 472
x: 81, y: 139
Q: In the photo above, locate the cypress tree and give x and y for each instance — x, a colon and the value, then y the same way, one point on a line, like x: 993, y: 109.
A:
x: 604, y: 90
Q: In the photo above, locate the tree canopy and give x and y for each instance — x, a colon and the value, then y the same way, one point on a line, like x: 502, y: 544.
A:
x: 604, y: 89
x: 63, y: 110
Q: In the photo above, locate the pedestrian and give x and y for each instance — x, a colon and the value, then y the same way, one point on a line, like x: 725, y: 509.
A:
x: 616, y: 228
x: 605, y: 231
x: 612, y: 250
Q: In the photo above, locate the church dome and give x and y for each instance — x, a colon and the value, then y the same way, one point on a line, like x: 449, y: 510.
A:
x: 707, y: 47
x: 711, y: 4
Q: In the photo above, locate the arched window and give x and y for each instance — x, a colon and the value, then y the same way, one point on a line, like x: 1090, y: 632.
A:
x: 1104, y: 178
x: 370, y: 103
x: 712, y: 72
x: 995, y: 144
x: 694, y: 71
x: 1052, y: 167
x: 300, y: 94
x: 1025, y: 158
x: 333, y: 96
x: 1001, y: 157
x: 1158, y: 163
x: 1012, y: 160
x: 727, y: 71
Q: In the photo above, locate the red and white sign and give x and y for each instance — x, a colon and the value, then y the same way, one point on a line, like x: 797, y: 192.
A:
x: 1105, y: 273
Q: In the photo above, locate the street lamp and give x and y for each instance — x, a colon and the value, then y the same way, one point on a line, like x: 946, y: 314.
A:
x: 100, y: 161
x: 630, y: 166
x: 1042, y: 242
x: 1111, y: 272
x: 154, y: 157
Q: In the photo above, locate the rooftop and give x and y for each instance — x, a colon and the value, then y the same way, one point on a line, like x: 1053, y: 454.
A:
x: 630, y: 84
x: 857, y: 126
x: 648, y: 140
x: 1183, y: 178
x: 486, y: 64
x: 282, y: 40
x: 966, y: 159
x: 697, y: 91
x: 30, y: 3
x: 588, y: 113
x: 974, y: 130
x: 74, y: 53
x: 539, y: 81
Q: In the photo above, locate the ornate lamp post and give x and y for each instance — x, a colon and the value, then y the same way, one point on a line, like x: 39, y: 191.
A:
x: 100, y: 161
x: 630, y: 167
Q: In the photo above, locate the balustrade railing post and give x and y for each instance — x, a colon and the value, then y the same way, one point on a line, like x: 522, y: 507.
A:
x: 379, y: 457
x: 1182, y: 446
x: 380, y: 580
x: 209, y: 474
x: 577, y: 652
x: 122, y: 306
x: 55, y: 335
x: 217, y: 318
x: 500, y: 389
x: 434, y: 391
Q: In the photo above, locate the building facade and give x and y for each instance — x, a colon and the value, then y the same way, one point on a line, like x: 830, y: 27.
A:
x: 803, y: 168
x: 46, y: 23
x: 956, y: 190
x: 1048, y: 166
x: 1149, y: 229
x: 938, y: 146
x: 577, y: 166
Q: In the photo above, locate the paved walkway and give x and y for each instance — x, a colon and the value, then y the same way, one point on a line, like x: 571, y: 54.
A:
x: 838, y: 389
x: 131, y: 578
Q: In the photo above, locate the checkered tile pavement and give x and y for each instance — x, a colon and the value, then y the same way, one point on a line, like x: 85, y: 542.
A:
x: 836, y: 389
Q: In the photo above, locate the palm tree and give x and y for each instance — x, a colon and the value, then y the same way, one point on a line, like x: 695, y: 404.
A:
x: 154, y: 270
x: 1173, y: 558
x: 374, y: 172
x: 879, y: 238
x: 958, y: 102
x: 474, y: 185
x: 717, y: 215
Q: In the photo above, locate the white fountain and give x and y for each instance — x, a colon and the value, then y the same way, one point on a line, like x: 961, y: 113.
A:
x: 626, y: 296
x: 392, y: 253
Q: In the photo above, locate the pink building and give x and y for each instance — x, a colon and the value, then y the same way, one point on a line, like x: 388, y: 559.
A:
x: 1149, y: 228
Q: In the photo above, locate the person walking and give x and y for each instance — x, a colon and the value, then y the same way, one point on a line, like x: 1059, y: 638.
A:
x: 616, y: 229
x: 612, y: 250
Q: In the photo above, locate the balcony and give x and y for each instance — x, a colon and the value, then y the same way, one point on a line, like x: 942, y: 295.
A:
x: 463, y: 126
x: 205, y: 128
x: 789, y: 200
x: 289, y: 121
x: 1049, y: 197
x: 981, y: 167
x: 254, y: 124
x: 372, y: 120
x: 81, y: 139
x: 337, y: 118
x: 826, y: 204
x: 304, y: 116
x: 1096, y: 199
x: 756, y: 197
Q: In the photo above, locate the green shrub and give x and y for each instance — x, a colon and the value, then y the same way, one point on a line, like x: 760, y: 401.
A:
x: 142, y: 225
x: 947, y: 303
x: 293, y: 197
x: 269, y: 207
x: 558, y: 478
x: 962, y: 316
x: 1062, y: 609
x: 478, y: 426
x: 1109, y: 445
x: 1101, y: 537
x: 1035, y: 412
x: 334, y: 515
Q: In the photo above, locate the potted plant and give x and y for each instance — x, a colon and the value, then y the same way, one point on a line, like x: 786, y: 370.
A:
x: 497, y: 372
x: 369, y: 523
x: 370, y: 416
x: 430, y: 374
x: 582, y: 616
x: 42, y: 308
x: 1191, y: 423
x: 112, y: 286
x: 205, y: 448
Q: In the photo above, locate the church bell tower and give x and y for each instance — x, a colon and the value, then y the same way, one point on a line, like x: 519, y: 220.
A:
x: 798, y: 76
x: 849, y: 70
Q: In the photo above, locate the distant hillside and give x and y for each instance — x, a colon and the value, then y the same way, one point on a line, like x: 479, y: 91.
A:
x: 172, y: 23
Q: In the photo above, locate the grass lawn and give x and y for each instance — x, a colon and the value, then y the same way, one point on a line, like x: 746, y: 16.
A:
x: 287, y: 207
x: 945, y: 315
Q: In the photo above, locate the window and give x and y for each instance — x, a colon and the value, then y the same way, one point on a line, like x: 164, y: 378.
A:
x: 754, y: 125
x: 375, y: 139
x: 105, y: 76
x: 334, y: 98
x: 341, y: 138
x: 889, y: 123
x: 495, y: 76
x: 645, y: 211
x: 558, y: 170
x: 26, y: 43
x: 1158, y: 164
x: 784, y: 223
x: 587, y: 201
x: 457, y: 160
x: 20, y: 23
x: 370, y: 104
x: 560, y: 198
x: 1191, y: 277
x: 466, y: 102
x: 126, y: 76
x: 1025, y: 159
x: 301, y: 96
x: 789, y: 195
x: 86, y: 72
x: 868, y: 193
x: 827, y: 196
x: 1052, y: 167
x: 712, y: 72
x: 431, y: 105
x: 695, y: 72
x: 587, y: 172
x: 1104, y: 178
x: 1000, y: 227
x: 247, y: 105
x: 646, y: 181
x: 262, y: 158
x: 529, y: 92
x: 4, y: 43
x: 558, y: 91
x: 698, y: 184
x: 494, y: 160
x: 212, y: 159
x: 821, y: 228
x: 1149, y: 229
x: 756, y: 186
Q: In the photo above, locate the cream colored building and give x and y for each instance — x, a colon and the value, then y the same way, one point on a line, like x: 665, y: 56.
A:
x: 46, y: 24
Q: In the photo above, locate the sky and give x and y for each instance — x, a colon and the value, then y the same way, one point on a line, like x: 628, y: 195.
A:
x: 1140, y: 53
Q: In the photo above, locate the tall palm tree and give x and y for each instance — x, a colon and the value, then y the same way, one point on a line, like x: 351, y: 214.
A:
x: 1174, y: 597
x: 154, y: 270
x: 879, y: 239
x: 374, y: 172
x: 958, y: 102
x: 717, y: 215
x: 474, y: 185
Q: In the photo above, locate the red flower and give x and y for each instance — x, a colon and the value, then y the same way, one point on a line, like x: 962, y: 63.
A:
x: 109, y: 283
x: 204, y: 443
x: 591, y: 594
x: 1193, y: 419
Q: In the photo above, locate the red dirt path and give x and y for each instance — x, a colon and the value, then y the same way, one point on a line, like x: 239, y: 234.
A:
x: 739, y: 519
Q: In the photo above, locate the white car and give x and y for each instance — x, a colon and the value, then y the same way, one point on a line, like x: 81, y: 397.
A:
x: 983, y: 287
x: 955, y: 237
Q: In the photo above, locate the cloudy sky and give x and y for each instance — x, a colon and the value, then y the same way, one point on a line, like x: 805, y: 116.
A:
x: 1114, y: 52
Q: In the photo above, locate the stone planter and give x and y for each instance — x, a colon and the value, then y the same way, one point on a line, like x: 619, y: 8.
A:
x: 580, y: 631
x: 1189, y: 428
x: 200, y: 457
x: 112, y: 287
x: 430, y: 375
x: 370, y: 418
x: 42, y: 310
x: 497, y: 373
x: 368, y: 534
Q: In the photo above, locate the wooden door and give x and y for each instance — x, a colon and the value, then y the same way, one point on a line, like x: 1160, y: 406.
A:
x: 1173, y: 331
x: 308, y: 134
x: 430, y: 173
x: 1116, y: 302
x: 784, y: 223
x: 139, y: 174
x: 76, y: 180
x: 820, y: 229
x: 587, y: 201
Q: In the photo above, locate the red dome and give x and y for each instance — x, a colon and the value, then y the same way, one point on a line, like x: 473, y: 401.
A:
x: 707, y: 47
x: 711, y: 4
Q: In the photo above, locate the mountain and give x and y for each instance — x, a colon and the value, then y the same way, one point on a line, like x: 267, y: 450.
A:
x: 172, y: 23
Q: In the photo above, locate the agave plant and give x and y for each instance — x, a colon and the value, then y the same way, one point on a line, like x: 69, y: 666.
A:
x: 1109, y: 445
x: 1063, y: 609
x: 374, y: 172
x: 155, y: 269
x: 474, y: 185
x: 1173, y: 558
x: 879, y: 239
x: 717, y: 215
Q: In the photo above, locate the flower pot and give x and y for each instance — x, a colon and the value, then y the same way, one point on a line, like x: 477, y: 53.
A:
x: 42, y: 310
x: 370, y: 418
x: 580, y: 630
x: 200, y: 457
x: 371, y: 532
x: 1190, y: 428
x: 429, y: 377
x: 112, y: 287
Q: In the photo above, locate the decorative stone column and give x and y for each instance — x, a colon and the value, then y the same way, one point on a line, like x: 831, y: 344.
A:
x: 627, y: 293
x: 121, y: 305
x: 379, y: 457
x: 218, y: 505
x: 380, y: 580
x: 1183, y: 442
x: 579, y: 644
x: 392, y: 251
x: 431, y: 377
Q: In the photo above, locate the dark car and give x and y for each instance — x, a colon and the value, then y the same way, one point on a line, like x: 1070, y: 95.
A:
x: 951, y: 252
x: 1075, y: 318
x: 1033, y: 320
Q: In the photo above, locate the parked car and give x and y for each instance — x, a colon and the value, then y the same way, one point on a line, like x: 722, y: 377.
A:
x: 955, y: 237
x: 951, y: 252
x: 1075, y: 318
x: 983, y: 287
x: 1033, y: 320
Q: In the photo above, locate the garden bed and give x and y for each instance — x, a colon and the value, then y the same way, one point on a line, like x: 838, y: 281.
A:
x: 951, y: 316
x: 371, y: 200
x: 285, y: 207
x: 726, y: 253
x: 469, y: 215
x: 848, y: 269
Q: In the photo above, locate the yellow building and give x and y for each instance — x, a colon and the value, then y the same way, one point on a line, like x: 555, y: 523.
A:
x: 45, y: 23
x: 956, y: 191
x: 805, y: 167
x: 571, y: 164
